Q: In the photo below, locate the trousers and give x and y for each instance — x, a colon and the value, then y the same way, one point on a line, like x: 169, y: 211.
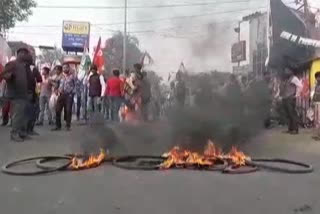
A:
x: 19, y: 122
x: 32, y: 112
x: 64, y: 102
x: 44, y: 106
x: 289, y: 105
x: 115, y: 103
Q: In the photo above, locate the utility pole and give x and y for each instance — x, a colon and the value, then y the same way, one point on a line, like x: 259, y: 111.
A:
x: 124, y: 63
x: 239, y: 27
x: 306, y: 9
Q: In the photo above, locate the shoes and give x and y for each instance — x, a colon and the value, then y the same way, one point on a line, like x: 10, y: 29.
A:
x: 56, y: 129
x: 25, y: 137
x: 39, y: 124
x: 50, y: 123
x: 4, y: 123
x: 68, y: 128
x: 33, y: 133
x: 16, y: 138
x: 294, y: 132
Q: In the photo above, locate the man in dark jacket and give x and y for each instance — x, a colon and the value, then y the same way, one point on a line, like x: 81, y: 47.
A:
x: 33, y: 108
x: 95, y: 85
x: 15, y: 74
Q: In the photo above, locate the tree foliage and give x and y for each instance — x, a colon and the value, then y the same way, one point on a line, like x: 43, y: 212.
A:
x: 12, y: 11
x: 113, y: 51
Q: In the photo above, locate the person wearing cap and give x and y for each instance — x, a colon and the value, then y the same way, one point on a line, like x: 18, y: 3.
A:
x: 15, y: 74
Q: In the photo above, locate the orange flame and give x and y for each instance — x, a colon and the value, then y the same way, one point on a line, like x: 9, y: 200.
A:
x: 92, y: 161
x: 177, y: 157
x: 237, y: 157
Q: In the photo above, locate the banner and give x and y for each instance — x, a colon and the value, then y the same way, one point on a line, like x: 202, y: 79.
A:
x: 300, y: 40
x: 284, y: 52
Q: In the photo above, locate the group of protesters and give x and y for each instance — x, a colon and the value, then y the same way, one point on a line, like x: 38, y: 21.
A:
x: 31, y: 95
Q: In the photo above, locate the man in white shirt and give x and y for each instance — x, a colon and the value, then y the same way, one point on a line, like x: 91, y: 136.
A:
x: 291, y: 90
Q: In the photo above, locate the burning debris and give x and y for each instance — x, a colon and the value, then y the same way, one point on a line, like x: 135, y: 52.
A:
x: 211, y: 156
x: 92, y: 161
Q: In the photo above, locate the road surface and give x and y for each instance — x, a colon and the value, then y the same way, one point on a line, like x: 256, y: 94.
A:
x: 111, y: 190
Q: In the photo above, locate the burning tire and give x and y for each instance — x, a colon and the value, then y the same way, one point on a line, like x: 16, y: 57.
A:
x: 7, y: 168
x: 139, y: 162
x: 240, y: 169
x: 305, y: 168
x: 221, y: 165
x: 43, y: 163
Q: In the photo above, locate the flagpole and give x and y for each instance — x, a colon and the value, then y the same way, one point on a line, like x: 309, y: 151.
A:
x: 125, y: 38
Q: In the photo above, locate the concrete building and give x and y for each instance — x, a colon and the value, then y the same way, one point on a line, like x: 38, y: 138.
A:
x: 258, y: 43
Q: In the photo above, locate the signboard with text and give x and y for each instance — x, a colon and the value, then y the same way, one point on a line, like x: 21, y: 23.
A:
x: 238, y: 52
x: 75, y: 35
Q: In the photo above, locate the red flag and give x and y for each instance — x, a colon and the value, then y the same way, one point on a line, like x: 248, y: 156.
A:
x: 98, y: 58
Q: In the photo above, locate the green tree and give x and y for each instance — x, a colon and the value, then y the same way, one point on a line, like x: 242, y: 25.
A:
x: 113, y: 52
x: 12, y: 11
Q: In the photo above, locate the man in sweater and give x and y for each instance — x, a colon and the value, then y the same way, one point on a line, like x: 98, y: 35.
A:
x: 96, y: 86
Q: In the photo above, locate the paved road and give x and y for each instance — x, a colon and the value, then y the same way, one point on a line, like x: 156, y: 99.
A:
x: 111, y: 190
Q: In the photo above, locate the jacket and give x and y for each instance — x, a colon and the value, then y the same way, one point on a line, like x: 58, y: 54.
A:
x: 15, y: 74
x: 95, y: 86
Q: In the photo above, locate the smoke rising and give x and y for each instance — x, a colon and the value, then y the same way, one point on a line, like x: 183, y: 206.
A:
x: 228, y: 116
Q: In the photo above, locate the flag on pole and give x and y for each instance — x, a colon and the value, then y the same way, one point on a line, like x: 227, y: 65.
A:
x: 182, y: 68
x: 85, y: 64
x: 98, y: 58
x: 146, y: 59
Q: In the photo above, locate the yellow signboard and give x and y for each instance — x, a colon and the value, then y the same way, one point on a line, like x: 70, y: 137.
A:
x: 315, y: 68
x: 80, y: 28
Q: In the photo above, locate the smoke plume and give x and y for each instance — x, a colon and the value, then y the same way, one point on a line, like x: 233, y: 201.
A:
x: 228, y: 117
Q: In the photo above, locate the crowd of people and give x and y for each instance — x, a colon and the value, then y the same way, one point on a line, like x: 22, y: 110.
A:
x: 32, y: 96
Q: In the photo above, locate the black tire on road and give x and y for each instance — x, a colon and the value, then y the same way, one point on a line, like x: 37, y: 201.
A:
x: 258, y: 162
x: 7, y: 168
x: 42, y: 163
x: 240, y: 170
x: 135, y: 162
